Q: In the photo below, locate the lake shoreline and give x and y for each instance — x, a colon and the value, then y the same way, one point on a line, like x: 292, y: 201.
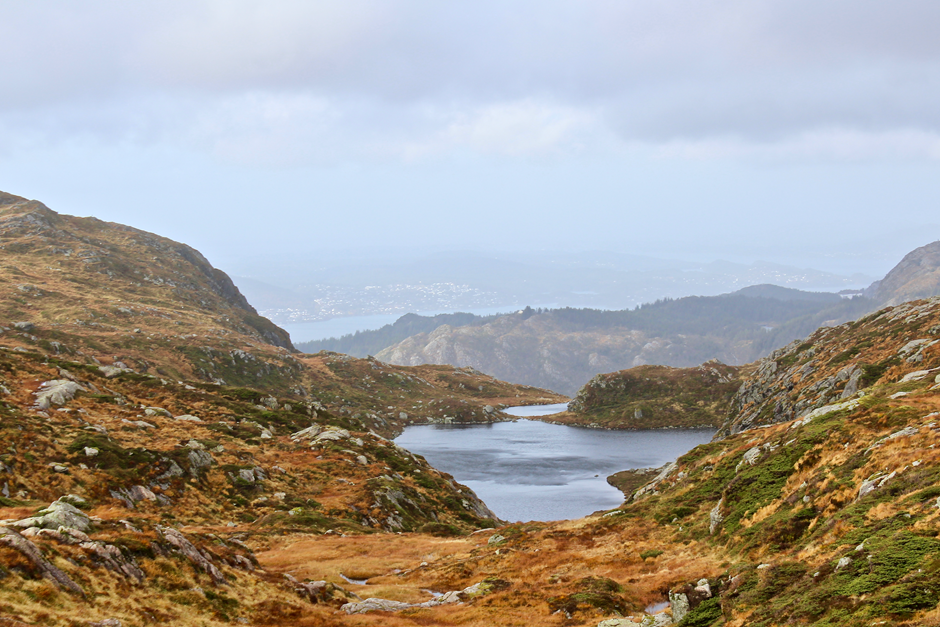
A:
x: 532, y: 468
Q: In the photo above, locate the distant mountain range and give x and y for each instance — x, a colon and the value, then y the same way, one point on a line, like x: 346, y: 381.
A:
x: 464, y: 280
x: 561, y: 349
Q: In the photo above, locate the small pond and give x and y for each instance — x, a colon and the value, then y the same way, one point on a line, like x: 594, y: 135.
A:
x: 530, y: 470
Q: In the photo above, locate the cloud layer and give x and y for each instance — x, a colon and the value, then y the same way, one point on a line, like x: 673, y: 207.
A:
x: 323, y: 82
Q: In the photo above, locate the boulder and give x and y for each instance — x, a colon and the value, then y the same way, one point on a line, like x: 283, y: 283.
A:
x: 56, y: 392
x: 112, y: 371
x: 306, y: 434
x: 31, y: 552
x: 715, y: 517
x: 679, y: 603
x: 60, y: 513
x: 189, y: 550
x: 331, y: 435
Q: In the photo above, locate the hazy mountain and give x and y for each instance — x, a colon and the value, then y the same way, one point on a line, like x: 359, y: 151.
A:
x: 561, y: 349
x: 916, y: 276
x: 466, y: 280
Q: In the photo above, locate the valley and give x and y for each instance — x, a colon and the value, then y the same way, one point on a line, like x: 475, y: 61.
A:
x: 168, y: 456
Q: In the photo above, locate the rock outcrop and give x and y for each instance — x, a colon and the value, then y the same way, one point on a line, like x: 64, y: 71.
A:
x: 915, y: 277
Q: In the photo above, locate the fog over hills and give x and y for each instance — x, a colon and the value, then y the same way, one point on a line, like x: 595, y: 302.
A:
x: 471, y: 281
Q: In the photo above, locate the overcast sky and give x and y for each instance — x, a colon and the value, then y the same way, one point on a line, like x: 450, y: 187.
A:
x: 745, y: 129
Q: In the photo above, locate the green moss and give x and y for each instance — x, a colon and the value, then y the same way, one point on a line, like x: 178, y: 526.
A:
x: 441, y: 530
x: 706, y: 613
x: 887, y: 562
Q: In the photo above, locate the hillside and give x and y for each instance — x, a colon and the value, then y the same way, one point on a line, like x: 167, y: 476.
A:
x: 138, y: 460
x: 130, y: 497
x: 832, y: 518
x: 656, y: 397
x: 365, y: 343
x: 916, y: 276
x: 562, y: 349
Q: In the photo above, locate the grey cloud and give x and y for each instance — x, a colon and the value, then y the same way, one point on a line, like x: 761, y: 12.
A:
x: 652, y: 71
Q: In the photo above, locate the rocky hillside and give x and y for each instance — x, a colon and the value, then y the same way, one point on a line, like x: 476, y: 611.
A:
x: 129, y: 497
x: 833, y: 364
x: 143, y: 468
x: 656, y: 397
x: 830, y: 516
x: 563, y: 349
x: 916, y: 276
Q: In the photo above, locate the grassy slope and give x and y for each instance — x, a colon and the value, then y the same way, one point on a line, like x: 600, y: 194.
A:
x: 656, y: 397
x: 782, y: 523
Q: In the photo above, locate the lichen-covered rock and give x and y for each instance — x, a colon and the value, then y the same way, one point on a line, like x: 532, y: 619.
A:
x: 56, y: 392
x: 715, y: 517
x: 306, y: 434
x: 31, y: 552
x: 455, y: 596
x: 679, y: 603
x: 190, y: 552
x: 60, y: 513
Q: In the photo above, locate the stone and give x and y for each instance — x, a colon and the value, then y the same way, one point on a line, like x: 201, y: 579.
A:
x: 157, y: 411
x: 703, y: 587
x: 184, y: 546
x: 247, y: 474
x: 331, y: 435
x: 495, y: 539
x: 362, y: 460
x: 31, y: 552
x: 56, y: 392
x: 917, y: 375
x: 26, y: 327
x: 843, y: 562
x: 679, y: 603
x: 60, y: 513
x: 715, y: 517
x: 112, y: 371
x: 187, y: 418
x: 373, y: 604
x: 140, y: 493
x: 199, y: 460
x: 750, y: 458
x: 90, y: 451
x: 114, y: 560
x: 306, y: 434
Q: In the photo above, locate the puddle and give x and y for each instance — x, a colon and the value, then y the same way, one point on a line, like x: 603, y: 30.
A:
x: 357, y: 582
x: 432, y: 593
x: 657, y: 607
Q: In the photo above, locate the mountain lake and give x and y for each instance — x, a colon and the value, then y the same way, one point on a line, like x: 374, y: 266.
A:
x: 530, y: 470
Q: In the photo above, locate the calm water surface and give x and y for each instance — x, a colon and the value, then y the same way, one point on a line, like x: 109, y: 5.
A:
x: 529, y: 470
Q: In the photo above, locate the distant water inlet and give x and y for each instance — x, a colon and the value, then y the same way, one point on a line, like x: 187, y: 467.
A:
x: 530, y: 470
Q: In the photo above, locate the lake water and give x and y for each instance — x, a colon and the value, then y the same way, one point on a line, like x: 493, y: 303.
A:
x: 530, y: 470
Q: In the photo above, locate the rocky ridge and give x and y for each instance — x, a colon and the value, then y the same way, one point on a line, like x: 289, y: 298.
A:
x: 563, y: 349
x: 656, y: 397
x: 916, y: 276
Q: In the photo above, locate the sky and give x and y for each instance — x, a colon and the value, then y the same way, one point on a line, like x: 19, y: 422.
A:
x: 797, y: 131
